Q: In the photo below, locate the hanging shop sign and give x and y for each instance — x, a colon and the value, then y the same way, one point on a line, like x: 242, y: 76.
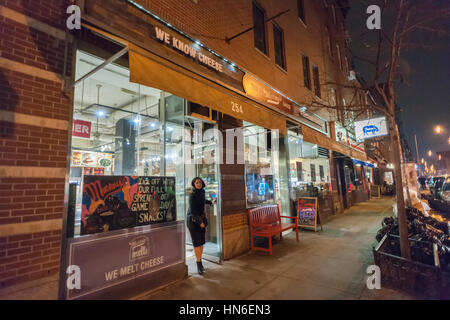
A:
x: 114, y: 261
x: 81, y: 129
x: 370, y: 128
x: 266, y: 95
x: 118, y: 202
x: 130, y: 23
x: 308, y: 213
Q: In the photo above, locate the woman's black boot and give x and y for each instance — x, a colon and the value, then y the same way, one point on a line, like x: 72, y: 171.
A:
x: 200, y: 268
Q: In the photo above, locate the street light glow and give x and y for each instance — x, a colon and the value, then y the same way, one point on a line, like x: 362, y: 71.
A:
x: 438, y: 129
x: 430, y: 153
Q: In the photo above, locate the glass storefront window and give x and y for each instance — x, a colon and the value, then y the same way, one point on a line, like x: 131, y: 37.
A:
x: 309, y: 172
x: 261, y: 166
x: 126, y: 129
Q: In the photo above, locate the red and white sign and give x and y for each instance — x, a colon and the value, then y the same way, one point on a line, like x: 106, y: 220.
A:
x: 81, y: 129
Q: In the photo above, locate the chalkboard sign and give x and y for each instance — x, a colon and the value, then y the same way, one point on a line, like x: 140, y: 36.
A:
x: 375, y: 191
x: 308, y: 213
x: 118, y: 202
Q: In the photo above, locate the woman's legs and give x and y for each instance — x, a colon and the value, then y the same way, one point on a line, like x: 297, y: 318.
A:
x: 198, y: 253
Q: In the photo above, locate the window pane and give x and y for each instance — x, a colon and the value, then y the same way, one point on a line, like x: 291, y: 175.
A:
x: 301, y: 10
x: 306, y: 72
x: 279, y: 47
x: 259, y: 29
x: 316, y: 81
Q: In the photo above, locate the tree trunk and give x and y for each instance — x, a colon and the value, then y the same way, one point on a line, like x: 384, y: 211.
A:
x: 401, y: 209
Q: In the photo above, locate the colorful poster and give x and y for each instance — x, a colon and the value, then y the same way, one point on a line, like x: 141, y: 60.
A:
x: 307, y: 212
x: 118, y: 202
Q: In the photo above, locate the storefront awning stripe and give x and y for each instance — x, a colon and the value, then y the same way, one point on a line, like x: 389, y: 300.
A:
x: 149, y: 70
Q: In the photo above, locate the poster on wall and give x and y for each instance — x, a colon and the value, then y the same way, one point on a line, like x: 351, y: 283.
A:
x: 308, y: 213
x: 118, y: 202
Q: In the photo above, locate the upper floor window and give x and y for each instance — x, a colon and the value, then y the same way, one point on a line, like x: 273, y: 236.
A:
x: 338, y: 50
x: 306, y: 72
x: 301, y: 10
x: 333, y: 10
x: 316, y: 78
x: 278, y: 39
x: 259, y: 30
x: 330, y: 46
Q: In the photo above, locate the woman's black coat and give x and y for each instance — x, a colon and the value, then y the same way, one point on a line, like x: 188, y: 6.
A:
x: 197, y: 203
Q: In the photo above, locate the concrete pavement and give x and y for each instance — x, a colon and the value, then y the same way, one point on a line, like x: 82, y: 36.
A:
x: 330, y: 264
x: 325, y: 265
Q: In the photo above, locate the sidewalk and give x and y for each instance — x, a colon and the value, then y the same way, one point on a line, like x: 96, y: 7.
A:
x: 326, y: 265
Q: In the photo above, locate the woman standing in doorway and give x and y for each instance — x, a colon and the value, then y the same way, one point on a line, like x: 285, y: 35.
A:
x: 196, y: 219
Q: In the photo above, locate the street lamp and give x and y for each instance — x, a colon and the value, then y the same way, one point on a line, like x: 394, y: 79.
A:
x: 438, y: 129
x: 430, y: 153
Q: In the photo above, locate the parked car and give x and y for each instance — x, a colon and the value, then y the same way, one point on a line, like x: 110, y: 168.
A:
x: 439, y: 198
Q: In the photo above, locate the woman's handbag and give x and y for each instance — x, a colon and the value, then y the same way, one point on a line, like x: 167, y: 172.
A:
x: 198, y: 220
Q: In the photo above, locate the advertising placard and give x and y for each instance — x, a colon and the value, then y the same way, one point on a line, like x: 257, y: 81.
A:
x: 109, y: 260
x: 81, y: 129
x: 118, y: 202
x: 308, y: 213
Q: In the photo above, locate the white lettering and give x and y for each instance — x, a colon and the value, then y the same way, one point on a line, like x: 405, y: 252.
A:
x: 74, y: 21
x: 374, y: 21
x: 74, y: 280
x: 159, y: 34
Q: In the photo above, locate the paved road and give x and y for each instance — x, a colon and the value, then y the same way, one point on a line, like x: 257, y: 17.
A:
x: 326, y: 265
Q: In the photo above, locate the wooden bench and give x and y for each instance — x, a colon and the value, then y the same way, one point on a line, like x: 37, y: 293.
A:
x: 266, y: 222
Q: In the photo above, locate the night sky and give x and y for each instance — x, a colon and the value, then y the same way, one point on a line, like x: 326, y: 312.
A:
x: 424, y: 95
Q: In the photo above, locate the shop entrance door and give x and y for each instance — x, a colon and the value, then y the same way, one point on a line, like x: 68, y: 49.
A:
x: 202, y: 160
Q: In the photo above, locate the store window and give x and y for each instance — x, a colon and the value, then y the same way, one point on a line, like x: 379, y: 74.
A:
x: 259, y: 30
x: 261, y: 166
x: 309, y: 170
x: 127, y: 130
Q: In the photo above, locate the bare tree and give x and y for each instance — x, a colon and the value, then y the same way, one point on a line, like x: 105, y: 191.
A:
x: 406, y: 25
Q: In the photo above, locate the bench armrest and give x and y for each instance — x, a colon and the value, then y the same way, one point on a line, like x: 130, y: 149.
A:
x: 290, y: 217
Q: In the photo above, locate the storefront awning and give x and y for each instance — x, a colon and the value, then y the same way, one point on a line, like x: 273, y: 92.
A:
x: 363, y: 163
x: 149, y: 70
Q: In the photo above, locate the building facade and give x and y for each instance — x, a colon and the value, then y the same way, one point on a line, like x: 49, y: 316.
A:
x: 154, y: 89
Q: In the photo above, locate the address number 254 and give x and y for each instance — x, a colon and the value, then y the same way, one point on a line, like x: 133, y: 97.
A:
x: 236, y: 107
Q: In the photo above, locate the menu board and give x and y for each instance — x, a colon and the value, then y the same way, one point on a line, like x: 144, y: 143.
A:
x: 118, y: 202
x: 375, y: 191
x: 308, y: 213
x: 91, y: 159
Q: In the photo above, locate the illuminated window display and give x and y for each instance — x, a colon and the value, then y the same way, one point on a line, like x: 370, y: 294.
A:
x: 260, y: 166
x: 309, y: 170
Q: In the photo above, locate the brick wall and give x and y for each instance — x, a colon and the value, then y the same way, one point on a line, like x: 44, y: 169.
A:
x: 33, y: 138
x: 29, y: 257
